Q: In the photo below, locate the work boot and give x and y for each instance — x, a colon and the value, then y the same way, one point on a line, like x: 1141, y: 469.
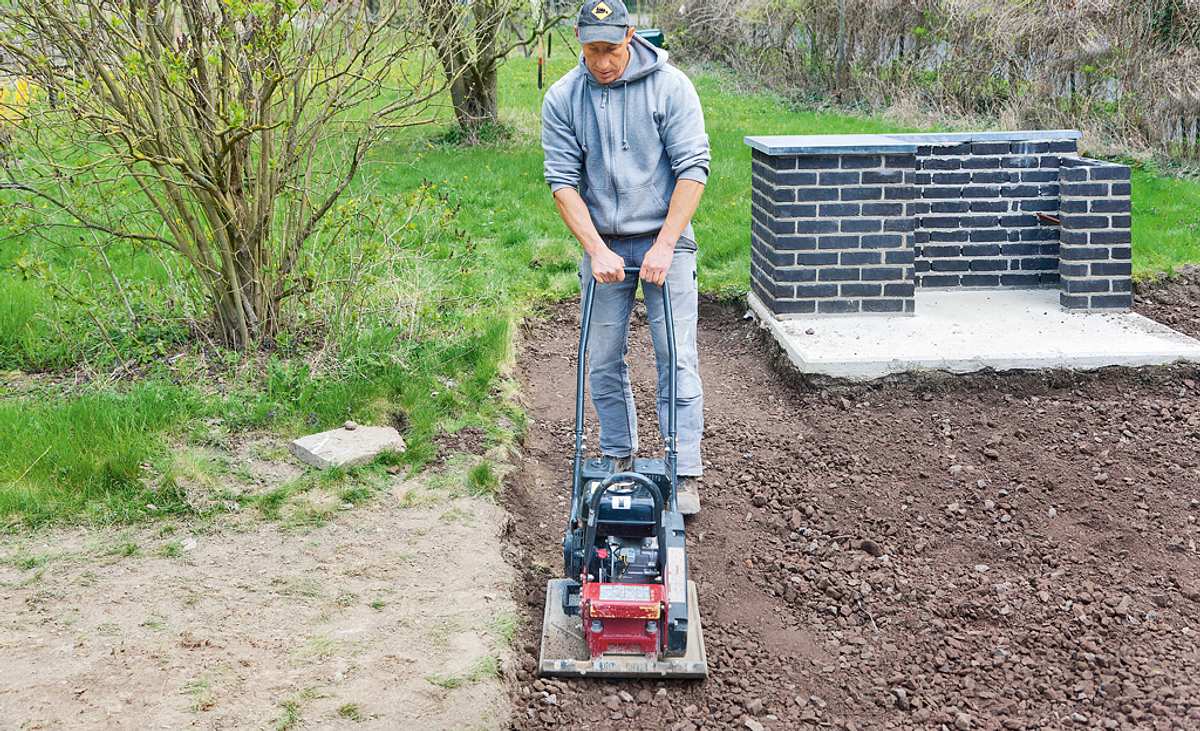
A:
x: 689, y: 495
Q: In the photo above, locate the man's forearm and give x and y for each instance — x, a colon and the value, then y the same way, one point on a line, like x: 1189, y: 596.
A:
x: 684, y: 202
x: 575, y: 214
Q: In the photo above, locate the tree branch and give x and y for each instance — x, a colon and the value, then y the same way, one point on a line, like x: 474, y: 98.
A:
x: 83, y: 220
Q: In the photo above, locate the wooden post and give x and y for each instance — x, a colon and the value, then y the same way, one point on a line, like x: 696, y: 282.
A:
x: 841, y: 75
x: 541, y: 14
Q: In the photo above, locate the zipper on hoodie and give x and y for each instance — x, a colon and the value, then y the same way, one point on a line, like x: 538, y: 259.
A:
x: 612, y: 177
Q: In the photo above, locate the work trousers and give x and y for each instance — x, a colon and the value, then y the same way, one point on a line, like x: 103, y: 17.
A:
x: 608, y: 344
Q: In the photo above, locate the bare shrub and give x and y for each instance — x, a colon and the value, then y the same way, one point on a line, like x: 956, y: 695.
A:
x: 221, y: 133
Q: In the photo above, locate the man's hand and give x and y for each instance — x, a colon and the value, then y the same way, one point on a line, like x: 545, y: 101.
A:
x: 607, y: 267
x: 657, y: 262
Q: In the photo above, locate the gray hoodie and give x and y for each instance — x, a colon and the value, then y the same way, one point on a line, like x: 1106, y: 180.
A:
x: 624, y: 145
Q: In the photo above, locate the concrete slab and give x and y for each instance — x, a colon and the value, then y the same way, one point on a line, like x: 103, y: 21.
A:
x: 349, y: 446
x: 962, y: 331
x: 829, y: 144
x: 892, y: 143
x: 1027, y: 135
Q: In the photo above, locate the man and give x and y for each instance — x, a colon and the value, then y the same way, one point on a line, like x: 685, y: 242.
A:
x: 627, y: 160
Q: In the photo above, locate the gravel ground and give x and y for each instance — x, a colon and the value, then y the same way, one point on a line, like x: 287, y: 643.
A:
x: 995, y: 551
x: 1175, y: 303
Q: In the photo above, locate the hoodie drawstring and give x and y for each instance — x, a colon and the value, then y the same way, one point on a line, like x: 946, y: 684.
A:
x: 583, y: 107
x: 624, y: 116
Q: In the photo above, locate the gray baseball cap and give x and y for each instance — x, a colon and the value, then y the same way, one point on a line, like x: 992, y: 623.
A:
x: 604, y: 21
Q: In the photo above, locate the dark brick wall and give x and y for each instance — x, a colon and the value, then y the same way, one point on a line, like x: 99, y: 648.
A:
x: 858, y: 232
x: 1095, y: 255
x: 976, y: 211
x: 831, y: 233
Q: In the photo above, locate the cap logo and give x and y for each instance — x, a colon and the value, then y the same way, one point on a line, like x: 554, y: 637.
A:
x: 601, y: 11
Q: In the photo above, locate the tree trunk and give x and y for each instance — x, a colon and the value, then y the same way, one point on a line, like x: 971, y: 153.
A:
x: 470, y: 55
x: 246, y: 318
x: 475, y: 103
x: 842, y: 75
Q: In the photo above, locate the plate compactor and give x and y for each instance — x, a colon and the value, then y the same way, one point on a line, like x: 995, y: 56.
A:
x: 626, y: 608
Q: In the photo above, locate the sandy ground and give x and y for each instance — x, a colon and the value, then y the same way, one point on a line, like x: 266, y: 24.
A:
x: 386, y: 616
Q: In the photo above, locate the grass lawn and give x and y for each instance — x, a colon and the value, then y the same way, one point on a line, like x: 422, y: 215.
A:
x: 1166, y: 222
x: 429, y: 349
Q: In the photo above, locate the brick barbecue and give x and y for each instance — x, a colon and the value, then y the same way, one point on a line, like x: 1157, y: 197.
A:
x: 847, y: 224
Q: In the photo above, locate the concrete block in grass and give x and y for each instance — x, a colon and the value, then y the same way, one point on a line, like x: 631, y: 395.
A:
x: 347, y: 446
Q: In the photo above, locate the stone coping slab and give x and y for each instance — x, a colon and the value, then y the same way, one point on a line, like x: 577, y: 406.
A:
x: 830, y: 144
x: 963, y: 331
x: 900, y: 143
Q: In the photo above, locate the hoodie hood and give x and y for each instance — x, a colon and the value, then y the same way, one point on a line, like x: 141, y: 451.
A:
x: 624, y: 145
x: 644, y: 59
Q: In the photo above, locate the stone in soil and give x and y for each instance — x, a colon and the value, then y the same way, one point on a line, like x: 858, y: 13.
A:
x: 348, y: 446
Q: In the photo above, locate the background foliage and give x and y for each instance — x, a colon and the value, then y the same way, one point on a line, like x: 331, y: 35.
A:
x: 1127, y: 71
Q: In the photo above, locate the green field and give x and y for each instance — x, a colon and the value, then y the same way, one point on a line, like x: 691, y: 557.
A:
x: 81, y: 439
